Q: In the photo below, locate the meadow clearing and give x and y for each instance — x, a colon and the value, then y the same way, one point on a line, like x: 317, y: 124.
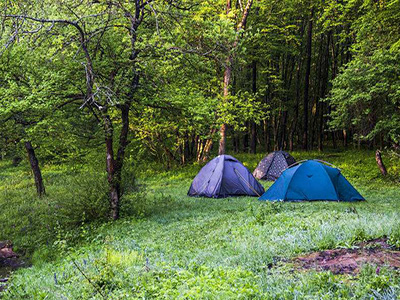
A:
x: 171, y: 246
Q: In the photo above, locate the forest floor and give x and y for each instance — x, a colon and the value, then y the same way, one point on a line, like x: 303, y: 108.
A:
x: 170, y: 246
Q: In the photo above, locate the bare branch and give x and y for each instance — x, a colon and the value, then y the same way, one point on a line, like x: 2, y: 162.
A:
x: 155, y: 14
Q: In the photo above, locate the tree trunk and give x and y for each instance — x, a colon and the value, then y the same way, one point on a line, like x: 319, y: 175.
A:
x: 253, y: 127
x: 289, y: 71
x: 334, y: 140
x: 307, y: 81
x: 276, y: 123
x: 246, y: 137
x: 296, y: 108
x: 345, y: 138
x: 207, y: 146
x: 186, y: 149
x: 253, y: 140
x: 123, y: 143
x: 379, y: 161
x: 234, y: 143
x: 228, y: 67
x: 318, y: 94
x: 37, y: 175
x: 297, y: 89
x: 207, y: 149
x: 227, y: 79
x: 222, y: 139
x: 282, y: 144
x: 111, y: 168
x: 266, y: 136
x: 323, y: 92
x: 200, y: 148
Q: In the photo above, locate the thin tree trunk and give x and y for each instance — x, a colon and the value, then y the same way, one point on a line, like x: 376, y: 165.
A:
x: 207, y: 149
x: 228, y: 68
x: 289, y: 71
x: 334, y: 139
x: 318, y: 94
x: 200, y: 149
x: 266, y: 136
x: 345, y: 138
x: 110, y: 167
x: 123, y: 143
x: 307, y: 81
x: 276, y: 123
x: 297, y: 88
x: 253, y: 127
x: 379, y: 161
x: 253, y: 140
x: 234, y: 143
x: 296, y: 109
x: 227, y: 79
x: 37, y: 174
x: 208, y: 145
x: 246, y: 137
x: 284, y: 126
x: 323, y: 92
x: 186, y: 148
x: 334, y: 72
x: 222, y: 139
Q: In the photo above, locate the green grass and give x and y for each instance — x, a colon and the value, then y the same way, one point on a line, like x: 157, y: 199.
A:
x: 171, y: 246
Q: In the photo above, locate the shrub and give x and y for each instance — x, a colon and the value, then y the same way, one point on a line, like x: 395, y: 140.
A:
x: 84, y: 199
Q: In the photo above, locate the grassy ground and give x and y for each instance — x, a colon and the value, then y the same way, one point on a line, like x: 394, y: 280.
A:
x: 172, y: 246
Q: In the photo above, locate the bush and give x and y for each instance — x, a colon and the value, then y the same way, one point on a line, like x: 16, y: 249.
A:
x: 85, y: 199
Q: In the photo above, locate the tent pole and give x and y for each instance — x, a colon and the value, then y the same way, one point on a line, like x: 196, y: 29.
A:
x: 248, y: 184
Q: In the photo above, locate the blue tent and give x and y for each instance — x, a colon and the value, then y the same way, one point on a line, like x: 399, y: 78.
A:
x: 309, y: 181
x: 225, y: 176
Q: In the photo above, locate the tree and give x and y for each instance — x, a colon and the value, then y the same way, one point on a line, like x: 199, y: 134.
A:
x: 307, y: 81
x: 365, y: 98
x: 89, y: 26
x: 239, y: 27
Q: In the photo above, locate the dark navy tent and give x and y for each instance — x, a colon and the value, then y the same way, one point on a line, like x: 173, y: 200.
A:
x: 309, y: 181
x: 272, y: 166
x: 225, y: 176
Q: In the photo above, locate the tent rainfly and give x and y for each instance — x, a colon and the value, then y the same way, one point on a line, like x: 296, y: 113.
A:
x: 310, y: 181
x: 225, y: 176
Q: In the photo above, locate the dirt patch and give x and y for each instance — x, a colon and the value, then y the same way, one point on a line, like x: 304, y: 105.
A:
x: 9, y: 261
x: 348, y: 261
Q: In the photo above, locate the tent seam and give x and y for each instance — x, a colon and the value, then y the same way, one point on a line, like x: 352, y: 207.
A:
x: 221, y: 178
x: 290, y: 181
x: 207, y: 182
x: 337, y: 194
